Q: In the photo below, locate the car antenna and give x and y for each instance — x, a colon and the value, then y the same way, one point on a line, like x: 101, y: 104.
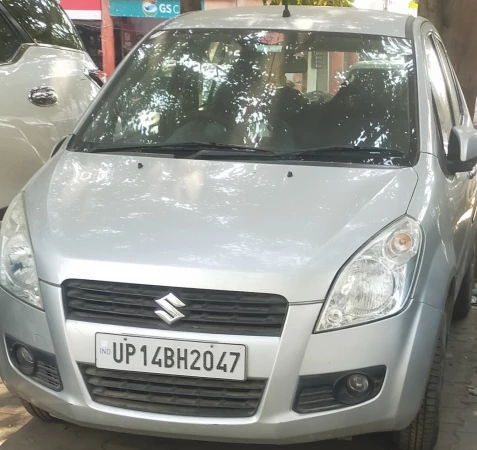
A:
x: 286, y: 11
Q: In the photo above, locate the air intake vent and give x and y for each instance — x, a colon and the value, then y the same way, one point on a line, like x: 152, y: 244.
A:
x: 185, y: 396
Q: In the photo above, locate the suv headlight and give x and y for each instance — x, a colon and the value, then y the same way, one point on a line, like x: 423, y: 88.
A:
x: 376, y: 282
x: 17, y: 266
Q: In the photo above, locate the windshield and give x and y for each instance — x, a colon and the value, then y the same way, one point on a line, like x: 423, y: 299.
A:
x: 45, y: 22
x: 282, y: 91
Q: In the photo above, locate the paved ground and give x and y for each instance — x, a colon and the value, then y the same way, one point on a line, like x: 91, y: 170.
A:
x: 458, y: 429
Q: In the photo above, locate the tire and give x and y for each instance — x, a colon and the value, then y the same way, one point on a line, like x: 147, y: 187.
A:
x: 423, y: 431
x: 38, y: 413
x: 463, y: 301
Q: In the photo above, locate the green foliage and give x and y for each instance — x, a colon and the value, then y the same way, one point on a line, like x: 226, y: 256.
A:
x: 342, y: 3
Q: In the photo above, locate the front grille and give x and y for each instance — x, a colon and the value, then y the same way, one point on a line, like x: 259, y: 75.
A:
x: 163, y: 394
x: 325, y: 392
x: 205, y: 311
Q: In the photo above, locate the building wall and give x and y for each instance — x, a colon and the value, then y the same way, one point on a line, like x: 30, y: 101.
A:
x: 217, y: 4
x: 397, y: 6
x: 128, y: 30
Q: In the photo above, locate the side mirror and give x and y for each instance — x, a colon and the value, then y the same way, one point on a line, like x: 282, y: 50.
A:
x: 462, y: 150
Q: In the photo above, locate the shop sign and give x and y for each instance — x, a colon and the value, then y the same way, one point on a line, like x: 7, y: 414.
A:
x: 158, y: 9
x: 82, y: 9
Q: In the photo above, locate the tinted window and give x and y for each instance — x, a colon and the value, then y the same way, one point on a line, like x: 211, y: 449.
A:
x: 45, y: 21
x: 440, y: 92
x: 453, y: 90
x: 9, y: 41
x: 271, y: 90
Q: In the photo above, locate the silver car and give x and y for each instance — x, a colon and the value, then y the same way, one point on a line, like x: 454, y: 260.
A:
x: 214, y: 255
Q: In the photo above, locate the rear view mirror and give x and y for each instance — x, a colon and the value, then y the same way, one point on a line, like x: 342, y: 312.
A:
x: 296, y: 64
x: 462, y: 144
x: 471, y: 151
x: 462, y: 150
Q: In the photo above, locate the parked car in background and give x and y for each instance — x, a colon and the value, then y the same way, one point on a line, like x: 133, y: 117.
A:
x: 211, y: 255
x: 46, y: 81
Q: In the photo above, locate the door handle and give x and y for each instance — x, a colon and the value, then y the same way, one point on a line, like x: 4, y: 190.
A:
x: 43, y: 96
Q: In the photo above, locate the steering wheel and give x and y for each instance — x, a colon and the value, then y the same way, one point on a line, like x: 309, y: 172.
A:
x: 203, y: 125
x: 215, y: 128
x: 209, y: 117
x: 282, y: 133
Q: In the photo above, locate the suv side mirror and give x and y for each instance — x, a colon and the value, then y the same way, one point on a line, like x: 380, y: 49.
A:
x: 462, y: 150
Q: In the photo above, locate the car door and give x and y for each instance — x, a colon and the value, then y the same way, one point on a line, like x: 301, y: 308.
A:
x: 451, y: 111
x: 19, y: 156
x: 60, y: 44
x: 44, y: 89
x: 466, y: 119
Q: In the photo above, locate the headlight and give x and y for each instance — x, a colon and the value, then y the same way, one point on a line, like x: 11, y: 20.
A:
x: 376, y: 282
x: 17, y: 265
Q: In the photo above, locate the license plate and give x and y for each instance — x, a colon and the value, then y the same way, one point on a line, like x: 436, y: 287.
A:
x: 170, y: 357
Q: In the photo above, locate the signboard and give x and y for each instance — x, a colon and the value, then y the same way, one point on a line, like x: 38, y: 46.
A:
x: 82, y: 9
x: 129, y: 37
x: 159, y: 9
x: 319, y: 60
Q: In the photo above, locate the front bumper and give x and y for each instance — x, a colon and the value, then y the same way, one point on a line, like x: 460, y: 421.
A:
x: 404, y: 344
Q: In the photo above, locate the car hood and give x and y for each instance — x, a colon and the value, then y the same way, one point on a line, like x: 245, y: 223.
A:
x: 242, y: 226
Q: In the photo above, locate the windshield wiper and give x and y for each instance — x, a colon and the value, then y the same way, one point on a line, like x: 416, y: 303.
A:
x: 190, y: 148
x: 345, y: 149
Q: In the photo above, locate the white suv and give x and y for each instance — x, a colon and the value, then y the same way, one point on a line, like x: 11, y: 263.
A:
x: 46, y: 82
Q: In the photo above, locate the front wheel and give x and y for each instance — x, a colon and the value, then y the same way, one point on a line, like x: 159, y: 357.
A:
x: 38, y: 413
x: 423, y: 431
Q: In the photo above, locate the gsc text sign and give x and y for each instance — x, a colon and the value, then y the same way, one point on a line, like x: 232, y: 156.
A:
x: 159, y: 9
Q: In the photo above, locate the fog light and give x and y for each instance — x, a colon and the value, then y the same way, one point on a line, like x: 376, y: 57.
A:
x: 25, y: 359
x: 357, y: 385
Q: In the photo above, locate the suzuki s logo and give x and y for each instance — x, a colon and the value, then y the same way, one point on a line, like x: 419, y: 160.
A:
x: 169, y: 314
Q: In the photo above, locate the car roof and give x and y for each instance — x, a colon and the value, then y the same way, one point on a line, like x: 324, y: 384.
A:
x: 304, y: 18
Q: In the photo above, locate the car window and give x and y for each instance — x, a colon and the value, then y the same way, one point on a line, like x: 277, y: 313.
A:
x: 440, y: 92
x: 45, y: 21
x: 10, y: 42
x: 264, y: 89
x: 454, y: 94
